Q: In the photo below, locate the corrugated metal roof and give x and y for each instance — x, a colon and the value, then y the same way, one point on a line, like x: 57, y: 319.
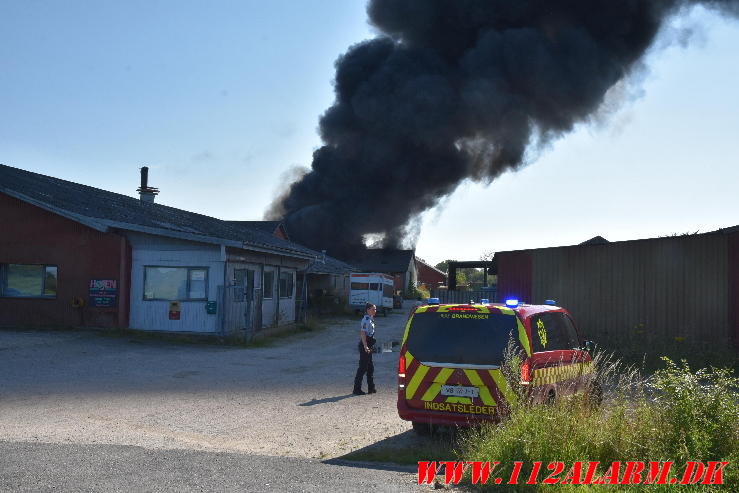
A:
x: 101, y: 209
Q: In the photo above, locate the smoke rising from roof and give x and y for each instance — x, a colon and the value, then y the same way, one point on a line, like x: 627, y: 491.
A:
x: 455, y: 90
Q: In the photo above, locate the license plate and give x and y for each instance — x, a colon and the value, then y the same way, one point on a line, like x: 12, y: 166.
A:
x: 458, y: 391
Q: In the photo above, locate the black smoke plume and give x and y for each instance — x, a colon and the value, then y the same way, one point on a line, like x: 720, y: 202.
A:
x: 453, y: 90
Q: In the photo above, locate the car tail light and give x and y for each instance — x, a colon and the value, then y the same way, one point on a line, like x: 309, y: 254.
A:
x: 463, y: 308
x: 525, y: 372
x: 401, y: 366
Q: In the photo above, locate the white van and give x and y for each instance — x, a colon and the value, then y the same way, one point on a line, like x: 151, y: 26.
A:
x: 373, y: 288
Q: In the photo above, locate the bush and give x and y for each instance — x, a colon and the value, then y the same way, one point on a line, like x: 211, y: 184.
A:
x: 677, y: 415
x: 412, y: 292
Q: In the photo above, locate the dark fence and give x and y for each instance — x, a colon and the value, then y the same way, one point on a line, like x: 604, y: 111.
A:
x: 446, y: 296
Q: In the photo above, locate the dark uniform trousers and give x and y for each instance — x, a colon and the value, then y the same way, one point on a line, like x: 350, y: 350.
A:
x: 365, y: 366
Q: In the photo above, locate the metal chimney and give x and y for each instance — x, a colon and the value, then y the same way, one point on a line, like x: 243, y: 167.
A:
x: 146, y: 193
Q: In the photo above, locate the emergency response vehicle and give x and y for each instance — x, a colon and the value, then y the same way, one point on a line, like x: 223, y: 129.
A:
x: 451, y: 355
x: 368, y: 287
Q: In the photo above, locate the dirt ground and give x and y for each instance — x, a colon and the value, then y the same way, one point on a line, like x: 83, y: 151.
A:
x: 292, y: 399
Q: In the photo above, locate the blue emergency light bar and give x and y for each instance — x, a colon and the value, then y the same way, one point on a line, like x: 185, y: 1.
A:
x: 484, y: 301
x: 550, y: 302
x: 433, y: 301
x: 512, y: 303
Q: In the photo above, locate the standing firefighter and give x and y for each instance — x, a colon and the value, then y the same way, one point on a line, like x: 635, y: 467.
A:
x: 366, y: 343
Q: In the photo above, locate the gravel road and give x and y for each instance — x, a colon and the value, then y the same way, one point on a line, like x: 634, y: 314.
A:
x: 293, y: 399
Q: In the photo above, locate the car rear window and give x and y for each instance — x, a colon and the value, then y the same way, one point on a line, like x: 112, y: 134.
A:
x: 462, y: 339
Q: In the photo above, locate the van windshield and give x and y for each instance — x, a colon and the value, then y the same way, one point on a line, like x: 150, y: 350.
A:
x: 462, y: 339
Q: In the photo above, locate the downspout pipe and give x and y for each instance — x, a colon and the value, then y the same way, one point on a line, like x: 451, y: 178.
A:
x: 222, y: 311
x: 305, y: 289
x: 277, y: 299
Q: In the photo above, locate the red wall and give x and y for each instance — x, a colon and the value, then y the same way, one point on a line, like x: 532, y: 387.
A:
x: 514, y: 276
x: 280, y: 233
x: 31, y: 235
x: 734, y: 287
x: 398, y: 283
x: 428, y: 276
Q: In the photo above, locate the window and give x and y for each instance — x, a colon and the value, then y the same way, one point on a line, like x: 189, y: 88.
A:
x: 360, y: 286
x: 175, y: 283
x: 28, y: 281
x: 374, y: 286
x: 387, y: 290
x: 436, y: 337
x: 552, y: 331
x: 286, y: 284
x: 269, y: 284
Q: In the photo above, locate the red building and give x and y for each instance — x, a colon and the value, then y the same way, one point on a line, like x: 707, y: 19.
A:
x: 429, y: 275
x: 669, y: 290
x: 48, y: 262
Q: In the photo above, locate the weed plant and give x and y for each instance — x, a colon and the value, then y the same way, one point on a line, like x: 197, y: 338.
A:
x: 676, y: 415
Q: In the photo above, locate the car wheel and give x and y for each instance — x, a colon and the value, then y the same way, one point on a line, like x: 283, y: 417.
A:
x: 423, y: 429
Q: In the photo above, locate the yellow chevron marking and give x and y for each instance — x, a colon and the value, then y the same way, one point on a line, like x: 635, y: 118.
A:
x: 416, y: 381
x: 443, y: 375
x: 485, y: 394
x: 474, y: 378
x: 506, y: 311
x: 459, y: 400
x: 432, y: 392
x: 503, y: 386
x: 408, y: 360
x: 422, y: 308
x: 407, y: 327
x: 523, y: 337
x: 555, y: 374
x: 435, y: 387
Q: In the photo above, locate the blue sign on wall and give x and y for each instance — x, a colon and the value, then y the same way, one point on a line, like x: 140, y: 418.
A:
x: 103, y: 292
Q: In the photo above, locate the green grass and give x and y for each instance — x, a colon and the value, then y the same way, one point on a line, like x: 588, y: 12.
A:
x: 678, y: 414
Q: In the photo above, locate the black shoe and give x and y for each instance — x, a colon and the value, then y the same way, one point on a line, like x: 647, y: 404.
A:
x: 372, y: 391
x: 359, y: 392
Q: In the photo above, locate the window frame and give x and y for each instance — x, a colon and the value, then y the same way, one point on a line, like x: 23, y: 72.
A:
x: 271, y: 287
x: 187, y: 286
x: 42, y: 296
x: 290, y: 283
x: 560, y: 336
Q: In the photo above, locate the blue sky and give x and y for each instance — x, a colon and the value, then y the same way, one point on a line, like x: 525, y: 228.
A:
x: 222, y: 100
